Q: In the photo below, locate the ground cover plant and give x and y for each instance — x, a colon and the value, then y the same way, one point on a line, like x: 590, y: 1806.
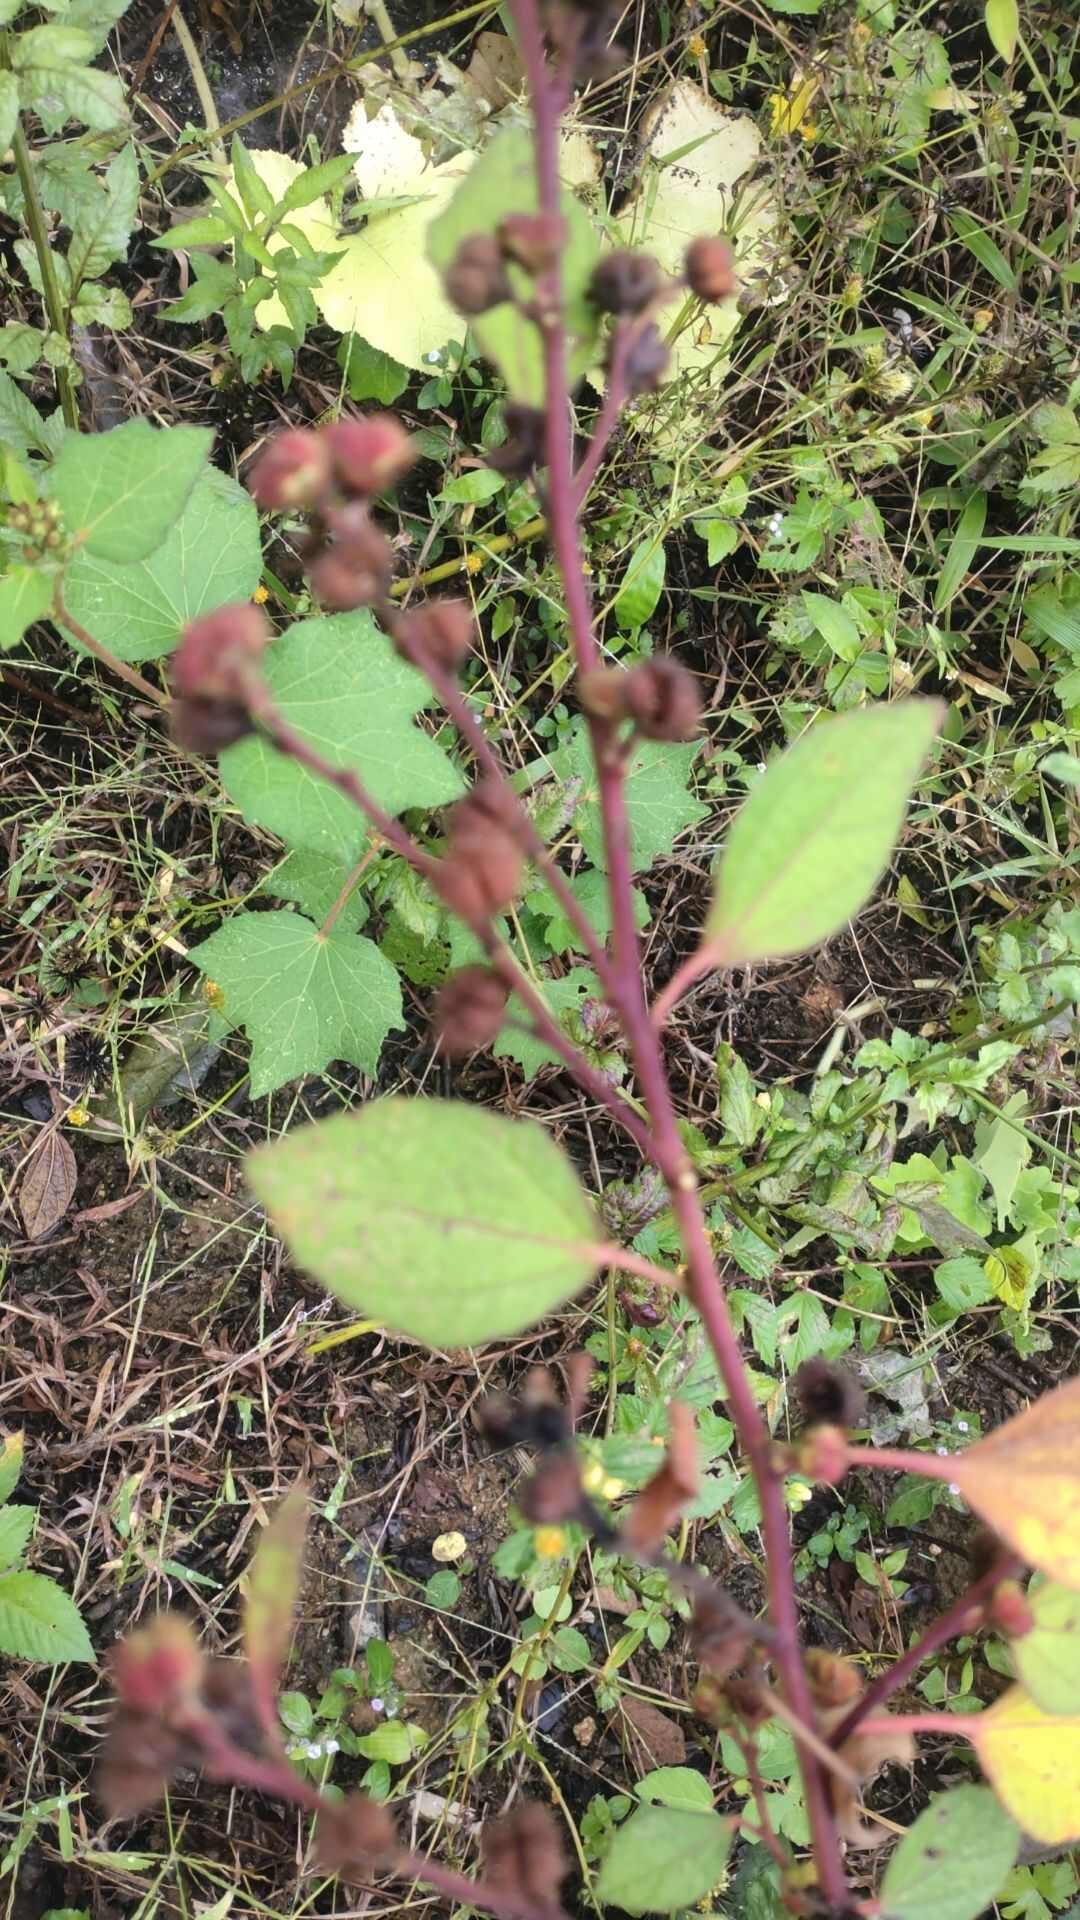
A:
x: 420, y: 860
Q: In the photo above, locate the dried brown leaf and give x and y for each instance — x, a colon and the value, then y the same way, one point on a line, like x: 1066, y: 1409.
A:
x: 659, y: 1504
x: 48, y: 1184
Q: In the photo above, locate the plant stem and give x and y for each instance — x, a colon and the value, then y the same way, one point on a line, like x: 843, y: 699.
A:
x: 932, y: 1466
x: 120, y: 667
x: 348, y: 889
x: 54, y: 305
x: 623, y: 337
x: 669, y: 1153
x: 950, y: 1623
x: 470, y: 562
x: 201, y: 85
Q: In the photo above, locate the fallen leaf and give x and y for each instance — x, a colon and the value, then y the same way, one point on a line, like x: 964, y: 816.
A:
x: 1024, y: 1480
x: 48, y: 1184
x: 661, y: 1740
x: 660, y: 1503
x: 1032, y: 1760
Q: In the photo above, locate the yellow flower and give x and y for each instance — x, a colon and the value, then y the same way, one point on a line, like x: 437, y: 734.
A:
x: 695, y: 46
x: 549, y: 1542
x: 260, y: 596
x: 473, y: 562
x: 612, y: 1488
x: 924, y: 417
x: 593, y: 1477
x: 982, y: 318
x: 78, y: 1117
x: 213, y: 995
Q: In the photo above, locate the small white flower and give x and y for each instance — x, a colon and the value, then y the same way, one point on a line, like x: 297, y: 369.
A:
x: 332, y: 1746
x: 314, y: 1751
x: 377, y: 1706
x: 432, y: 359
x: 953, y: 1488
x: 943, y: 1450
x: 962, y: 1426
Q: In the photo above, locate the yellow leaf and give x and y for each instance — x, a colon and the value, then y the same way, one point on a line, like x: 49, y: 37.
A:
x: 1024, y: 1480
x: 790, y: 109
x: 950, y: 100
x: 1032, y: 1760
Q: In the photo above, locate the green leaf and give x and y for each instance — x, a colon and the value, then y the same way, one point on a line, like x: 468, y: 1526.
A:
x: 962, y: 1283
x: 209, y: 558
x: 50, y: 45
x: 11, y: 1464
x: 21, y: 425
x: 371, y: 374
x: 254, y: 193
x: 978, y: 243
x: 314, y: 884
x: 303, y: 998
x: 663, y: 1858
x: 102, y: 236
x: 25, y: 596
x: 813, y: 839
x: 58, y: 93
x: 503, y: 181
x: 1005, y: 1152
x: 313, y: 183
x: 120, y: 492
x: 38, y: 1621
x: 835, y: 625
x: 16, y: 1526
x: 637, y: 598
x: 205, y: 230
x: 952, y: 1862
x: 1048, y: 1658
x: 961, y: 550
x: 658, y: 803
x: 9, y: 106
x: 740, y: 1115
x: 471, y: 489
x: 590, y: 887
x: 96, y: 18
x: 442, y: 1220
x: 340, y: 683
x: 676, y: 1787
x: 1003, y: 26
x: 390, y: 1742
x: 563, y: 995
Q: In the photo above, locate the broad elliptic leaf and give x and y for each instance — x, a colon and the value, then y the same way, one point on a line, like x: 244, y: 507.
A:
x: 953, y: 1861
x: 1003, y: 26
x: 1047, y: 1659
x: 16, y: 1526
x: 304, y: 998
x: 39, y: 1621
x: 121, y: 491
x: 25, y: 596
x: 11, y: 1464
x: 272, y: 1590
x: 501, y: 182
x: 642, y: 585
x: 813, y: 839
x: 681, y: 1787
x: 1032, y: 1761
x: 340, y: 683
x: 663, y: 1858
x: 209, y: 558
x: 440, y: 1220
x: 1024, y: 1481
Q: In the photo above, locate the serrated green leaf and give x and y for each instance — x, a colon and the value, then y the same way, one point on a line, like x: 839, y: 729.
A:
x: 253, y: 190
x: 313, y: 183
x: 9, y: 105
x: 1003, y: 26
x: 371, y: 374
x: 21, y: 425
x: 39, y: 1621
x: 314, y: 884
x: 121, y: 491
x: 590, y: 887
x: 659, y: 807
x: 813, y: 839
x: 442, y: 1220
x: 16, y: 1526
x: 643, y: 583
x: 11, y: 1464
x: 1048, y: 1657
x: 953, y: 1860
x: 205, y: 230
x: 663, y: 1858
x: 304, y: 998
x: 95, y: 17
x: 58, y: 93
x: 50, y: 45
x: 562, y: 996
x: 340, y: 683
x: 25, y: 596
x: 209, y: 558
x: 102, y: 237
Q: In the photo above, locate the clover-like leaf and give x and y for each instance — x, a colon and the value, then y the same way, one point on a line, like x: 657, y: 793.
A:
x: 303, y: 997
x: 339, y: 682
x: 441, y: 1220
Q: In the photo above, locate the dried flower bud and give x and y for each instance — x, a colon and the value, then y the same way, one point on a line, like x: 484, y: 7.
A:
x: 829, y: 1392
x: 159, y: 1667
x: 369, y: 452
x: 439, y: 634
x: 229, y: 1698
x: 215, y: 652
x: 293, y: 470
x: 534, y: 240
x: 710, y: 267
x: 523, y: 449
x: 822, y: 1454
x: 138, y: 1759
x: 207, y: 727
x: 481, y: 873
x: 476, y: 277
x: 748, y: 1698
x: 355, y: 571
x: 1009, y: 1610
x: 662, y: 699
x: 554, y: 1493
x: 490, y: 803
x: 646, y: 362
x: 721, y: 1634
x: 469, y: 1010
x: 625, y: 282
x: 523, y: 1855
x: 521, y: 1423
x: 602, y: 692
x: 354, y: 1837
x: 834, y: 1681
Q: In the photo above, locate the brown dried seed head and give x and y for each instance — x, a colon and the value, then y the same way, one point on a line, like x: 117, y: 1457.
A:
x: 490, y: 803
x: 369, y: 452
x: 481, y: 873
x: 355, y: 570
x: 523, y: 449
x: 355, y: 1837
x: 647, y: 361
x: 293, y: 470
x: 158, y: 1668
x: 476, y: 277
x: 554, y: 1493
x: 207, y: 727
x: 534, y: 240
x: 469, y: 1010
x: 139, y: 1757
x: 834, y: 1681
x: 710, y: 267
x: 661, y: 697
x: 602, y: 692
x: 524, y: 1856
x: 721, y: 1634
x: 439, y: 634
x: 215, y: 652
x: 625, y: 282
x: 823, y: 1455
x: 829, y: 1392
